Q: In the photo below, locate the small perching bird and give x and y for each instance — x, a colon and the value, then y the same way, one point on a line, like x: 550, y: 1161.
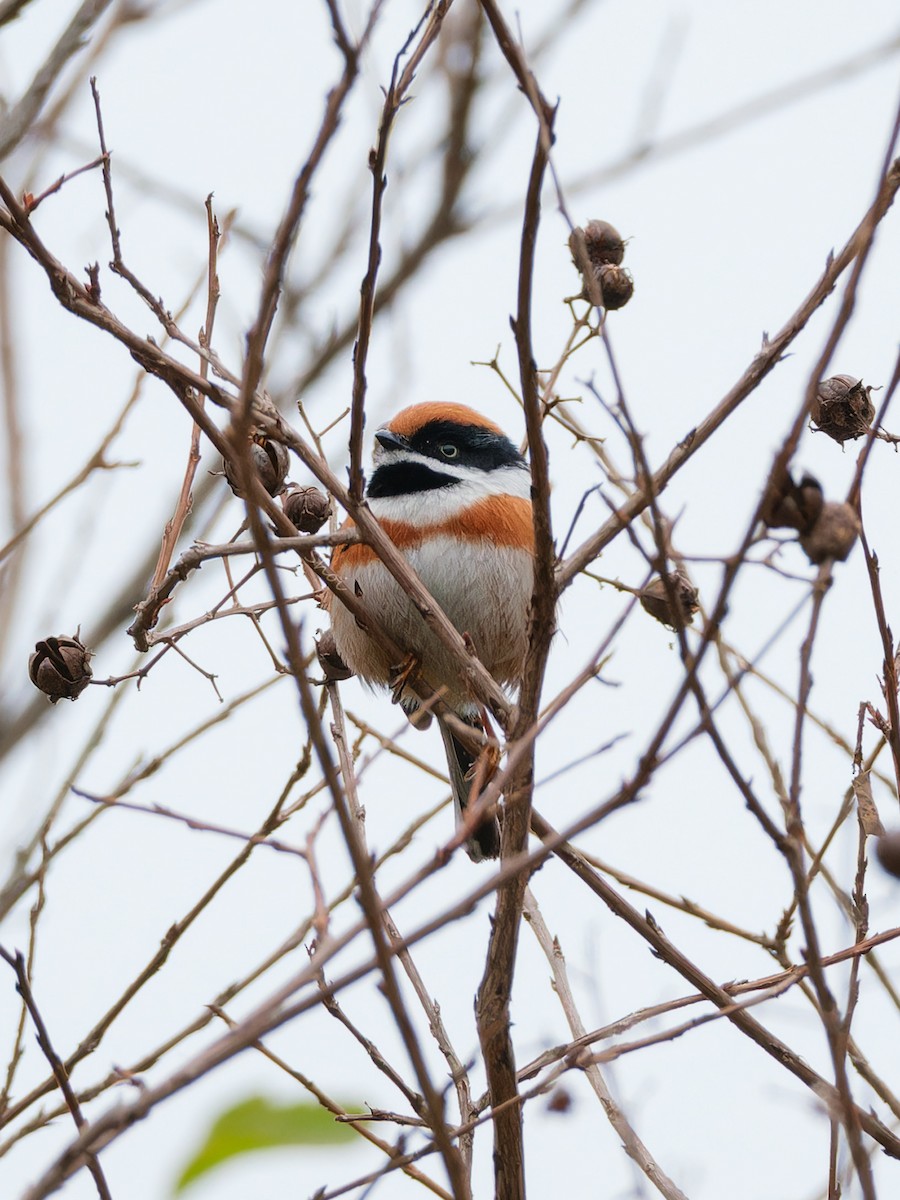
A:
x: 453, y: 493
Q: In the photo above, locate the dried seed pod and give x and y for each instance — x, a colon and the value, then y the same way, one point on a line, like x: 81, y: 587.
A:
x: 616, y: 285
x: 559, y: 1100
x: 833, y: 535
x: 602, y: 241
x: 842, y: 408
x: 789, y: 505
x: 333, y: 666
x: 655, y: 600
x: 271, y: 461
x: 60, y: 668
x: 888, y: 850
x: 306, y: 507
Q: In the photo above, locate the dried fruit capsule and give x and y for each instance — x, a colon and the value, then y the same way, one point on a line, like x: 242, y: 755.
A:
x: 602, y: 241
x: 271, y: 461
x: 60, y: 668
x: 842, y: 408
x: 655, y: 600
x: 333, y: 666
x: 306, y: 508
x: 605, y: 251
x: 616, y: 285
x: 789, y: 505
x: 559, y: 1100
x: 888, y: 850
x: 833, y: 535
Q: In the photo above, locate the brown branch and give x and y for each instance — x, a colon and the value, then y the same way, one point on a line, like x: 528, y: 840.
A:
x: 432, y: 1108
x: 493, y: 1001
x: 341, y: 1114
x: 32, y: 202
x: 431, y: 1105
x: 188, y: 385
x: 634, y: 1147
x: 774, y: 985
x: 149, y: 609
x: 645, y: 154
x: 92, y: 1039
x: 275, y: 1012
x: 771, y: 353
x: 277, y: 257
x: 394, y: 98
x: 647, y: 928
x: 793, y: 848
x: 331, y: 1005
x: 14, y: 459
x: 172, y: 531
x: 23, y: 987
x: 435, y: 1022
x: 835, y: 1030
x: 194, y: 823
x: 649, y: 761
x: 81, y: 301
x: 889, y: 661
x: 18, y: 121
x: 10, y: 9
x: 445, y: 221
x: 297, y: 939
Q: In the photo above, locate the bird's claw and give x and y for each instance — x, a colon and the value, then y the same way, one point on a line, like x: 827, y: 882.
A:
x: 400, y: 677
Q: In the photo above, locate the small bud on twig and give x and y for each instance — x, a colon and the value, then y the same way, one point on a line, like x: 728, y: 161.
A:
x: 60, y: 668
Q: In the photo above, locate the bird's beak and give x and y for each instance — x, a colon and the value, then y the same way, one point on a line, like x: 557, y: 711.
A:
x: 390, y: 440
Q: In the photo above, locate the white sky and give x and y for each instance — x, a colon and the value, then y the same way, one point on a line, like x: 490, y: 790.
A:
x: 726, y: 239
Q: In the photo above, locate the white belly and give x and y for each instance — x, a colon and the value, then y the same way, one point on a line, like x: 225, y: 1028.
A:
x: 484, y: 589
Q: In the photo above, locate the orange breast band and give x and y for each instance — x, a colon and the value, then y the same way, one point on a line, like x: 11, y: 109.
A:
x: 502, y: 520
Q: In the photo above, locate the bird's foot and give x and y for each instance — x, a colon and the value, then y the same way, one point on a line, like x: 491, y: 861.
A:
x: 483, y: 770
x: 400, y: 677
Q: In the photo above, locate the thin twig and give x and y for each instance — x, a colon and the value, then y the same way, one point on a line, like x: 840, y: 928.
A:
x: 23, y: 987
x: 16, y: 123
x: 632, y: 1143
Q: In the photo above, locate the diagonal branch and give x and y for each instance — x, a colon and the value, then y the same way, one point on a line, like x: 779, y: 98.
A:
x: 17, y: 962
x: 17, y: 122
x: 772, y: 352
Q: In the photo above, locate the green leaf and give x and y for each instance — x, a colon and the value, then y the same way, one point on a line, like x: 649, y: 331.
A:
x: 258, y: 1124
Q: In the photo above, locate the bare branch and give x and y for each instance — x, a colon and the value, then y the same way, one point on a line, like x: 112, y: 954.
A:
x: 16, y: 123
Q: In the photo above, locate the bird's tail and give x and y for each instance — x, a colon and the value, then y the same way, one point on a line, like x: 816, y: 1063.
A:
x: 485, y: 840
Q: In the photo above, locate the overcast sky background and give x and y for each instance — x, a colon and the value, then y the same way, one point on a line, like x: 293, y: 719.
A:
x: 726, y: 237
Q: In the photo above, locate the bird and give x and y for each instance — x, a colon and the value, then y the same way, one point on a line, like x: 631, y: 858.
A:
x: 453, y: 493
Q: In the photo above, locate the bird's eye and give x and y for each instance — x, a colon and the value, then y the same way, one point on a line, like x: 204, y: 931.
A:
x: 448, y: 450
